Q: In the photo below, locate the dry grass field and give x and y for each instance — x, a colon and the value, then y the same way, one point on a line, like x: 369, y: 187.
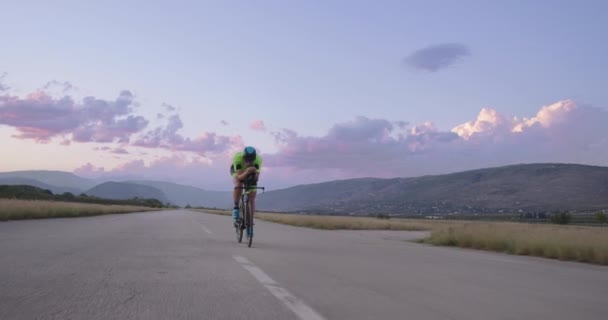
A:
x: 12, y: 209
x: 574, y: 243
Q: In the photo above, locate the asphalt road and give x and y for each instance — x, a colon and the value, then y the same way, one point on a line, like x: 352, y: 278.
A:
x: 187, y: 265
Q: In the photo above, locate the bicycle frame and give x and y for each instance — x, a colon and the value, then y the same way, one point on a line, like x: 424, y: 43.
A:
x: 246, y: 220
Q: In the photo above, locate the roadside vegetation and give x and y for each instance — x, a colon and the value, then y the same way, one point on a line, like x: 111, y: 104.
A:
x: 574, y: 243
x: 16, y: 209
x: 556, y: 241
x: 27, y: 202
x: 26, y: 192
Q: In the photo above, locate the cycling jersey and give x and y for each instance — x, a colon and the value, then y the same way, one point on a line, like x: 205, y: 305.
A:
x: 238, y: 163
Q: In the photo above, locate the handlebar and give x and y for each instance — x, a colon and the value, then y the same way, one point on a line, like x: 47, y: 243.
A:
x: 250, y: 187
x: 248, y: 184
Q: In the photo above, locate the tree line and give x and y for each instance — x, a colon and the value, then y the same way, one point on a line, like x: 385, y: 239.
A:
x: 27, y: 192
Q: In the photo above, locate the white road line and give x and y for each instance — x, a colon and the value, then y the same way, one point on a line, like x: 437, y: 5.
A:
x: 296, y: 305
x: 206, y: 230
x: 241, y: 260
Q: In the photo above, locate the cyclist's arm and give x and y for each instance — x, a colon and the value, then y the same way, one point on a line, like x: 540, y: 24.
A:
x: 243, y: 175
x: 237, y: 165
x: 258, y: 164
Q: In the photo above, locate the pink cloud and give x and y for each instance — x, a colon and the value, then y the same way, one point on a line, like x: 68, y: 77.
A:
x: 560, y: 132
x: 134, y: 166
x: 90, y: 171
x: 548, y: 116
x: 491, y: 123
x: 365, y: 145
x: 119, y: 151
x: 258, y: 125
x: 488, y: 121
x: 41, y: 117
x: 178, y: 168
x: 169, y: 138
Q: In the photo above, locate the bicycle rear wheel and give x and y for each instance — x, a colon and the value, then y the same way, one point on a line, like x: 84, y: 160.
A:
x: 249, y: 226
x: 239, y: 233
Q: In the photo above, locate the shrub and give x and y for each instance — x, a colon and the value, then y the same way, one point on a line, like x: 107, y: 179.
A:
x: 382, y: 216
x: 561, y: 218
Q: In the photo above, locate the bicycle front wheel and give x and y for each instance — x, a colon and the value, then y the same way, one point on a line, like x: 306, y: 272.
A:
x: 240, y: 226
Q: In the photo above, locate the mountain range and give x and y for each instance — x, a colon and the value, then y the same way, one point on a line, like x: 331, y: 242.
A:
x: 56, y: 181
x: 125, y: 191
x: 32, y: 182
x: 514, y: 188
x: 526, y: 187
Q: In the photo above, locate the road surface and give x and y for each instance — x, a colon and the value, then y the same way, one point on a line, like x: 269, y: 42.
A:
x: 187, y: 265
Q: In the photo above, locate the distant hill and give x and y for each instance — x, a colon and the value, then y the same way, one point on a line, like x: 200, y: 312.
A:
x: 527, y: 187
x: 60, y: 179
x: 182, y: 195
x: 28, y: 192
x: 123, y: 191
x: 60, y: 182
x: 36, y: 183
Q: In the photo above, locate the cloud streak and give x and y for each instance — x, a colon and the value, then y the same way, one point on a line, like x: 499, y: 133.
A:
x: 258, y: 125
x: 3, y: 87
x: 437, y: 57
x: 168, y: 107
x: 118, y: 150
x: 65, y: 86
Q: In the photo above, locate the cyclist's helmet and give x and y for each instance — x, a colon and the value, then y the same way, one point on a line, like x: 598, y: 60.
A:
x: 249, y: 153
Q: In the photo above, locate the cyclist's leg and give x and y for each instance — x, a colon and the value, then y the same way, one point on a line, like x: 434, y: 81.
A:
x: 236, y: 195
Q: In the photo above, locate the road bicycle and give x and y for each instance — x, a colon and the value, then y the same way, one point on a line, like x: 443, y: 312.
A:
x: 245, y: 220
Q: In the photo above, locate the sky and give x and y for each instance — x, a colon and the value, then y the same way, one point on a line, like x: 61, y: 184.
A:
x: 325, y: 90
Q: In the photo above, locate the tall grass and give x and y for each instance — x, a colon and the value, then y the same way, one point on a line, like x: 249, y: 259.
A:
x: 345, y: 223
x: 574, y: 243
x: 340, y: 222
x: 13, y: 209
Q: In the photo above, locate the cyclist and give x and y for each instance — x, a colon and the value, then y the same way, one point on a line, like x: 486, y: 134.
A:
x: 245, y: 164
